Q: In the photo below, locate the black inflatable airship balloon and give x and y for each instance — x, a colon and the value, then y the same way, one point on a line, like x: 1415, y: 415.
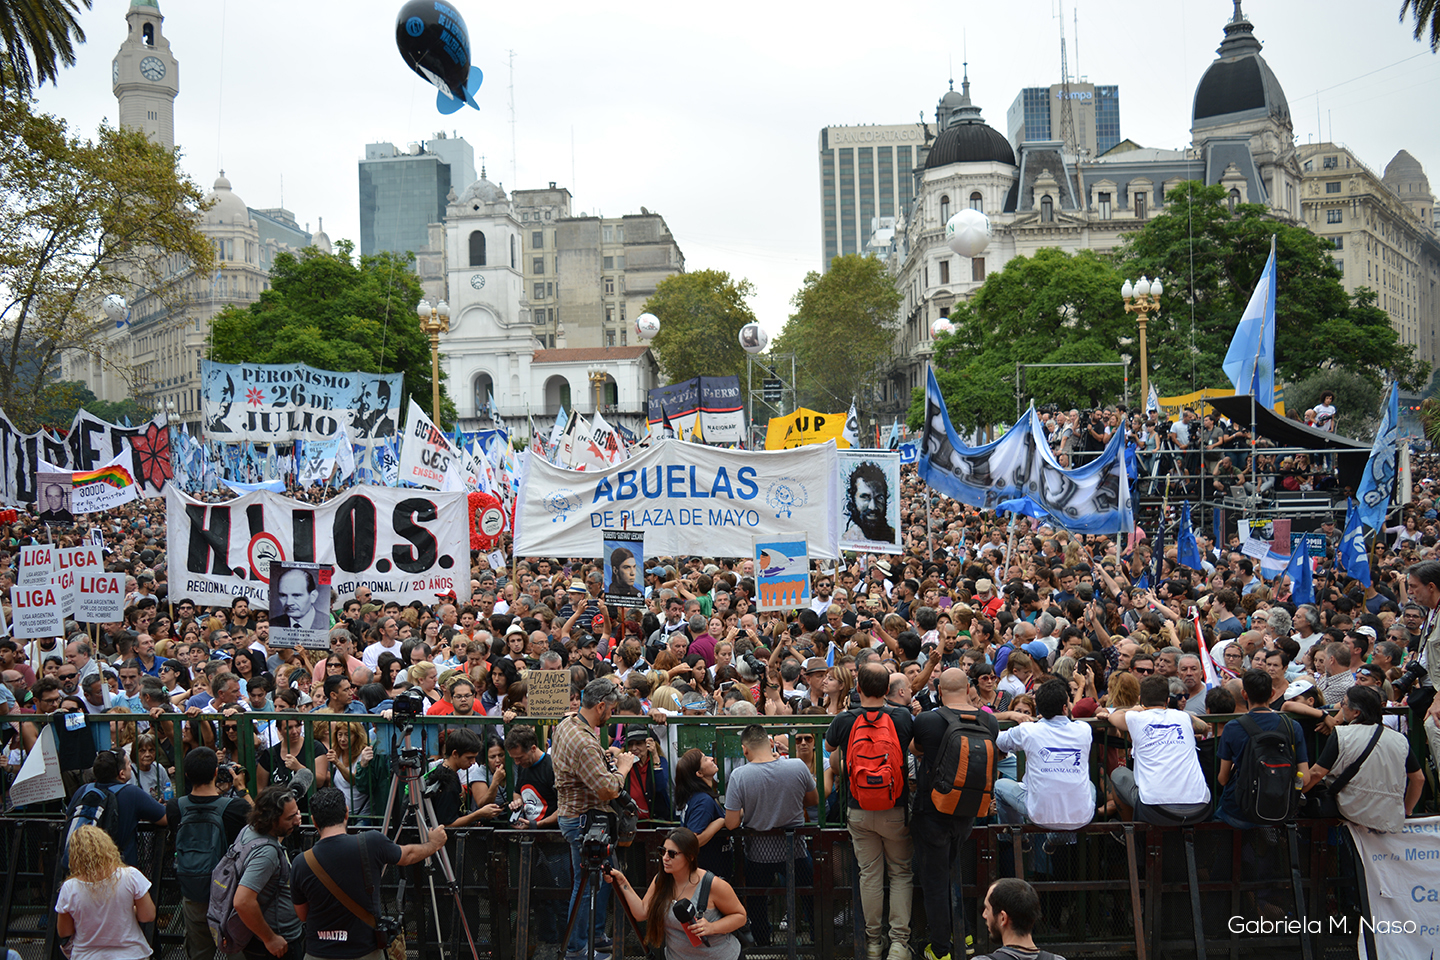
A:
x: 435, y: 44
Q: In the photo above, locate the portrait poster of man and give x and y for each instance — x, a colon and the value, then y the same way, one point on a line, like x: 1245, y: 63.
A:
x: 54, y: 491
x: 870, y: 511
x: 300, y: 604
x: 624, y: 554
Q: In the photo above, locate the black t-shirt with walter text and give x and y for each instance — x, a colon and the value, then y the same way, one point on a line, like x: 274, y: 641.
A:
x: 332, y: 931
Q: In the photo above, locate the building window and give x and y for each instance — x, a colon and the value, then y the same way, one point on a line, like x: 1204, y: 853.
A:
x: 622, y: 312
x: 537, y: 266
x: 1140, y: 206
x: 549, y: 289
x: 547, y: 214
x: 1233, y: 199
x: 1334, y: 216
x: 609, y: 234
x: 1340, y: 265
x: 623, y: 336
x: 944, y: 271
x: 1333, y: 186
x: 609, y: 286
x: 1330, y: 163
x: 537, y: 240
x: 609, y: 314
x: 945, y: 209
x: 977, y: 202
x: 539, y: 291
x: 477, y: 249
x: 512, y: 251
x: 977, y: 269
x: 1047, y: 210
x: 608, y: 263
x: 1104, y: 201
x: 1339, y: 242
x: 609, y: 338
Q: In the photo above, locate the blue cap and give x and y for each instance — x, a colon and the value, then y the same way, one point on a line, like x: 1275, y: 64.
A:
x: 1038, y: 650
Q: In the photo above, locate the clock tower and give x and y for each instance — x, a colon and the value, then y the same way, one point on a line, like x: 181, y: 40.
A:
x: 146, y: 76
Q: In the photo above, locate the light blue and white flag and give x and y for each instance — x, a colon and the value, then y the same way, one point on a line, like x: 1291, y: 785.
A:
x: 1250, y: 361
x: 1352, y: 555
x: 1377, y: 486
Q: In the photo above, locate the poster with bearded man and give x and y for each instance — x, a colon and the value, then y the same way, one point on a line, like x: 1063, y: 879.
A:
x: 870, y: 510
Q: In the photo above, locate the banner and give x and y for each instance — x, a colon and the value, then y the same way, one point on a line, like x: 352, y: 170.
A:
x: 715, y: 400
x: 686, y: 497
x: 870, y: 508
x: 782, y: 574
x: 300, y: 604
x: 623, y: 553
x: 91, y: 443
x: 35, y: 612
x: 99, y: 597
x: 39, y: 777
x: 55, y: 486
x: 320, y: 458
x: 1094, y: 498
x: 805, y: 427
x: 427, y: 458
x: 106, y: 487
x: 403, y: 544
x: 279, y: 402
x: 1402, y: 878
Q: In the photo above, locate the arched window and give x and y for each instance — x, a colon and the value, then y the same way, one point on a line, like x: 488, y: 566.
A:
x: 1234, y: 198
x: 512, y: 251
x: 1047, y: 210
x: 945, y: 209
x: 977, y: 202
x: 477, y: 249
x: 147, y: 34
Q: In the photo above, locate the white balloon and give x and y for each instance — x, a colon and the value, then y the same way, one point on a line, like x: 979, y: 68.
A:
x: 115, y: 307
x: 646, y: 326
x: 941, y: 326
x: 753, y: 339
x: 968, y: 233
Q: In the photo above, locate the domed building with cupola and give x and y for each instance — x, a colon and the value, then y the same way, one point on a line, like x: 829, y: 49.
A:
x: 1038, y: 193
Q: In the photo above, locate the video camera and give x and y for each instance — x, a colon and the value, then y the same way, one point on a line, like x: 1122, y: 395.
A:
x: 407, y: 706
x: 597, y: 837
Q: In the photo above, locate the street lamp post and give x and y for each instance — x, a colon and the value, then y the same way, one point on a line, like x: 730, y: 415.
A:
x: 1142, y: 298
x: 434, y: 320
x: 598, y: 376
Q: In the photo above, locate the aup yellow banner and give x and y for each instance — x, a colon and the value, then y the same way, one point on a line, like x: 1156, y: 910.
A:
x: 804, y: 427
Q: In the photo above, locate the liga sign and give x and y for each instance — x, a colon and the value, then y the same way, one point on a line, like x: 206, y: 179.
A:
x: 685, y: 497
x: 403, y: 544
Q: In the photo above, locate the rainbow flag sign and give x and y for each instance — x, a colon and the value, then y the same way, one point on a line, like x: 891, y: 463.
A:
x: 105, y: 487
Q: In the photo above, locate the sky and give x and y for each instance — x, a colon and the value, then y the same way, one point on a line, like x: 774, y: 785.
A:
x: 710, y: 115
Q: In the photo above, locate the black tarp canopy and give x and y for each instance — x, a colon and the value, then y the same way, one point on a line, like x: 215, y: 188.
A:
x: 1284, y: 432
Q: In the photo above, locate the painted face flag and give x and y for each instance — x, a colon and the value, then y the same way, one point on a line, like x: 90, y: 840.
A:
x: 1094, y: 498
x: 1377, y: 486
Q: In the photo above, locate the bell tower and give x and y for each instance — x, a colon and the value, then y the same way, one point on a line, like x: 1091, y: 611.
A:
x: 146, y: 75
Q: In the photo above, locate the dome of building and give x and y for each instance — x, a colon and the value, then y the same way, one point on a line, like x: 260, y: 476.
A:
x: 226, y: 207
x: 1239, y: 84
x: 482, y: 190
x: 1404, y: 174
x: 320, y: 240
x: 966, y: 137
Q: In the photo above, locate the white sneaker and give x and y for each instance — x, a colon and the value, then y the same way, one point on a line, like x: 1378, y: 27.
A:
x: 875, y: 951
x: 900, y: 951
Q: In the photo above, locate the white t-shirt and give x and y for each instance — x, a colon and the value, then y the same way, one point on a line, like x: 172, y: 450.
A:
x: 1167, y: 768
x: 1325, y: 417
x: 1058, y: 792
x: 370, y: 656
x: 104, y: 914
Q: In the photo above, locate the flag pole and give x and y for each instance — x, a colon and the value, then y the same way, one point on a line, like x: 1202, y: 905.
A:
x: 1255, y: 381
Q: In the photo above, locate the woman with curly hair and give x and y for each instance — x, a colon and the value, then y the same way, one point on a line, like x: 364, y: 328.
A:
x: 103, y: 902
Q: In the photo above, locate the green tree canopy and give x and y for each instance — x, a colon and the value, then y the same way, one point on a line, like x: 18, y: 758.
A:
x: 332, y: 312
x: 42, y: 31
x: 700, y: 314
x: 64, y: 398
x: 841, y: 331
x: 1053, y: 307
x: 81, y: 219
x: 1210, y: 260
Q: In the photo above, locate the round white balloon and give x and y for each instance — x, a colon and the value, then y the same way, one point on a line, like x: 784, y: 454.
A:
x: 941, y: 326
x: 114, y: 307
x: 968, y: 233
x: 646, y: 326
x: 753, y: 339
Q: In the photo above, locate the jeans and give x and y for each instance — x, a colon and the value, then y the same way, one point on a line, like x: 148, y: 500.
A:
x: 1009, y: 801
x: 882, y: 843
x: 579, y: 937
x: 1172, y: 814
x: 760, y: 874
x: 938, y: 839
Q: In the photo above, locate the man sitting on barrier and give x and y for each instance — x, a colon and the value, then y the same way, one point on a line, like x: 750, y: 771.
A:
x: 1167, y: 786
x: 1057, y: 792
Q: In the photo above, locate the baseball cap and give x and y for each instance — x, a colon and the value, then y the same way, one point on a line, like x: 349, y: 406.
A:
x: 1367, y: 631
x: 1297, y: 688
x: 657, y: 571
x: 370, y: 608
x: 589, y: 640
x: 637, y: 734
x: 1037, y: 649
x: 984, y: 586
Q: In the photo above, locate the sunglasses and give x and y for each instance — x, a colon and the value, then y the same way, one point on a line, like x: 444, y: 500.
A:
x: 805, y: 738
x: 669, y: 854
x: 1144, y: 670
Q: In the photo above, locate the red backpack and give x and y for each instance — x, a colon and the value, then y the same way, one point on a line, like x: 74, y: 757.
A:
x: 877, y: 765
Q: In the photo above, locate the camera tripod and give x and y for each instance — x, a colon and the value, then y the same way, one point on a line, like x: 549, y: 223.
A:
x: 596, y: 844
x: 419, y: 811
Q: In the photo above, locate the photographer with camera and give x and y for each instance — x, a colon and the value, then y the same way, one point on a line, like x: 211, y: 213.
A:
x: 342, y: 871
x: 587, y: 777
x: 207, y: 823
x: 690, y: 912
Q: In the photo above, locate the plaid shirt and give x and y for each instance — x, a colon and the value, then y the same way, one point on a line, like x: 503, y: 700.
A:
x: 582, y: 768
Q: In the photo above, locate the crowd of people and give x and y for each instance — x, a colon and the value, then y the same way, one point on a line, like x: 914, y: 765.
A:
x: 1092, y: 653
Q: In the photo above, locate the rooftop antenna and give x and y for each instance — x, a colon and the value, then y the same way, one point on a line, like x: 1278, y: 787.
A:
x: 1067, y: 114
x: 1075, y: 12
x: 514, y: 177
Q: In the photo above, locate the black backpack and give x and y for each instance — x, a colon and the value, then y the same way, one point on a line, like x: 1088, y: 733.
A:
x: 1267, y: 779
x: 97, y: 807
x: 199, y: 845
x: 963, y: 776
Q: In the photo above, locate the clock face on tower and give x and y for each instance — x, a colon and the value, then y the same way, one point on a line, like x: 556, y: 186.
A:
x: 152, y: 69
x: 477, y: 280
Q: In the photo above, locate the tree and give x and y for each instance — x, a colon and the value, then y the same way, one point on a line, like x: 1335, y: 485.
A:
x: 43, y: 30
x: 1358, y: 401
x: 1053, y: 307
x: 64, y: 398
x: 1427, y: 12
x: 700, y: 314
x: 329, y: 311
x: 79, y: 220
x: 841, y: 331
x: 1210, y: 260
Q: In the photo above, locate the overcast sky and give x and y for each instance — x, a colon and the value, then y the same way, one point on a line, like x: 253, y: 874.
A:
x: 710, y: 115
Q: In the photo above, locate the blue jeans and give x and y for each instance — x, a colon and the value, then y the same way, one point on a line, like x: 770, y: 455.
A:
x: 579, y: 937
